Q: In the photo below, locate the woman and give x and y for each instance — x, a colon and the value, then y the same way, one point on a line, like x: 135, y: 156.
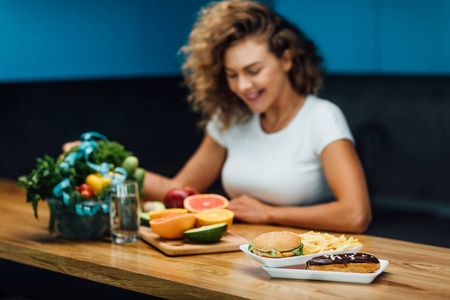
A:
x: 282, y: 151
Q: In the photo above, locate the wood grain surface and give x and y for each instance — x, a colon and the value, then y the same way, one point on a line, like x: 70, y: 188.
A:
x: 228, y: 243
x: 415, y: 271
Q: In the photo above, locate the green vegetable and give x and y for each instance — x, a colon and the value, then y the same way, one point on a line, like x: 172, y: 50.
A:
x: 106, y: 151
x: 130, y: 164
x: 273, y: 252
x: 139, y: 175
x: 250, y: 247
x: 41, y: 180
x: 110, y: 152
x: 299, y: 250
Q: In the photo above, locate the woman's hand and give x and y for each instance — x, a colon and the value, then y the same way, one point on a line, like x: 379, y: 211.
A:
x: 67, y: 146
x: 350, y: 212
x: 250, y: 210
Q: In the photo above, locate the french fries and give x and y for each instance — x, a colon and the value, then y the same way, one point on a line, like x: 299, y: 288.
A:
x: 317, y: 242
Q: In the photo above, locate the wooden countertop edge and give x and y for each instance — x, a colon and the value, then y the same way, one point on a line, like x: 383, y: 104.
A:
x: 120, y: 278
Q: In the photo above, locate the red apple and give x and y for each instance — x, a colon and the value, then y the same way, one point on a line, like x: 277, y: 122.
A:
x: 175, y: 197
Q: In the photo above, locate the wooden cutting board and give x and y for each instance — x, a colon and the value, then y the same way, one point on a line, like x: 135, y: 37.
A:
x: 228, y: 243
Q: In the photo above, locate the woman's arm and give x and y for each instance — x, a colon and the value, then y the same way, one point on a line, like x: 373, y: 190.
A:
x: 199, y: 172
x: 350, y: 212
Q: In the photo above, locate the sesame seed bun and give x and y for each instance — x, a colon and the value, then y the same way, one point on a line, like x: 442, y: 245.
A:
x: 280, y: 241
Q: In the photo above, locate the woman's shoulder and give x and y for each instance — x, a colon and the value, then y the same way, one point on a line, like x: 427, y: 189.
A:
x: 320, y: 104
x: 322, y: 108
x: 222, y: 134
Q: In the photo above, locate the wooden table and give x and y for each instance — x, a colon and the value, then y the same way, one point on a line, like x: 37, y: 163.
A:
x: 414, y: 271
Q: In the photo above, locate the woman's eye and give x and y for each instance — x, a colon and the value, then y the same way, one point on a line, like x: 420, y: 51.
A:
x: 253, y: 72
x: 231, y: 75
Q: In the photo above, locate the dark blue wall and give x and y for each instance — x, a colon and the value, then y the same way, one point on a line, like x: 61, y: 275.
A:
x: 376, y: 36
x: 53, y: 40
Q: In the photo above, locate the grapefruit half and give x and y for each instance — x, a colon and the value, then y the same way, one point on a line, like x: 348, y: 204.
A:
x: 173, y: 227
x: 201, y: 202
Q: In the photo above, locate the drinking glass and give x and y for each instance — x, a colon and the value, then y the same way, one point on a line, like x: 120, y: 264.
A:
x: 124, y: 212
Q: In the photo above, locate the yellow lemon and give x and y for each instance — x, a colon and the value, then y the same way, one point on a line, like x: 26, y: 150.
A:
x: 214, y: 216
x: 97, y: 182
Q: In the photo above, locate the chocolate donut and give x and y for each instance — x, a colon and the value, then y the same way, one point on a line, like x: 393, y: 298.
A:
x: 349, y: 262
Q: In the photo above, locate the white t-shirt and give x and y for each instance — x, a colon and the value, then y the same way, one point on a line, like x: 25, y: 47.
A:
x: 281, y: 168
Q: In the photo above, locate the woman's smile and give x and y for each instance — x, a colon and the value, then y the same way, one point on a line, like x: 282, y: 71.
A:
x: 254, y: 96
x: 256, y: 75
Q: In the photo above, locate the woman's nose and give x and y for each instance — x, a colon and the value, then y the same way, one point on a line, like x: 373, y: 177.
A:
x: 244, y: 83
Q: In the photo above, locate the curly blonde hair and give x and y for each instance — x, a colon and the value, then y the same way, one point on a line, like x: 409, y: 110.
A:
x: 222, y: 23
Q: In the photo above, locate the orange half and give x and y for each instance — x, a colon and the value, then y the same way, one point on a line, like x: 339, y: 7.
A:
x: 157, y: 214
x: 214, y: 216
x: 173, y: 227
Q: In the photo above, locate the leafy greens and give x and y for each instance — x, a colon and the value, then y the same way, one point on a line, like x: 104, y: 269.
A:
x: 47, y: 174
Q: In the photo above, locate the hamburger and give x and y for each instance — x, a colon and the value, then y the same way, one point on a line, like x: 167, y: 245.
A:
x: 277, y: 244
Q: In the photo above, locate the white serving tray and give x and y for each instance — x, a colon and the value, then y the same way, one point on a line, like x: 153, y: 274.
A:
x: 290, y: 261
x: 300, y: 272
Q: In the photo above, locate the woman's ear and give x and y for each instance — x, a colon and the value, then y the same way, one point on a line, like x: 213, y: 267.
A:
x: 286, y: 60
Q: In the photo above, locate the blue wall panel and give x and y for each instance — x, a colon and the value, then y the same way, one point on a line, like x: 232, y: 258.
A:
x: 415, y: 36
x: 58, y: 40
x: 166, y: 26
x: 376, y: 36
x: 48, y: 40
x: 343, y: 30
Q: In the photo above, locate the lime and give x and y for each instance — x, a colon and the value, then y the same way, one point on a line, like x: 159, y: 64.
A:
x: 157, y: 205
x: 206, y: 234
x: 130, y: 164
x: 144, y: 213
x: 139, y: 175
x: 145, y: 218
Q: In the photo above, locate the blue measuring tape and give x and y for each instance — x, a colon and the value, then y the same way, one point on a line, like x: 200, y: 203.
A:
x: 87, y: 146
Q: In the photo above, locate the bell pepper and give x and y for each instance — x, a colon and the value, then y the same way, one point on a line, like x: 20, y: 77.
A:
x: 97, y: 182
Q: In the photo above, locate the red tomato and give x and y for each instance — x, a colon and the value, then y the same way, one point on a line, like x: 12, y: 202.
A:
x: 86, y: 193
x: 85, y: 186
